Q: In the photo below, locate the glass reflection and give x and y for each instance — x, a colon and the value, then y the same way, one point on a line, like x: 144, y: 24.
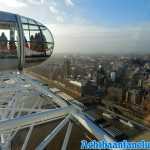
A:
x: 8, y: 46
x: 8, y: 40
x: 38, y: 41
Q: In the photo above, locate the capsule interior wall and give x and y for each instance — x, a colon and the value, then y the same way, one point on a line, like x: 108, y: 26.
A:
x: 23, y: 42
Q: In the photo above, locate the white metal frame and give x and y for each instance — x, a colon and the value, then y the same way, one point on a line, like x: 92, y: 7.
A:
x: 69, y: 112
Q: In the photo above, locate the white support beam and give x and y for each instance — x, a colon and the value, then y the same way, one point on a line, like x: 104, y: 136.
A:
x: 46, y: 91
x: 11, y: 89
x: 11, y: 104
x: 13, y: 133
x: 2, y: 139
x: 12, y: 113
x: 67, y: 136
x: 55, y: 131
x: 23, y: 109
x: 36, y: 118
x: 91, y: 127
x: 20, y: 111
x: 27, y: 138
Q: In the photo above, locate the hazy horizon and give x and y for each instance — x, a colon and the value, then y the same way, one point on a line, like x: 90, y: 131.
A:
x: 99, y: 26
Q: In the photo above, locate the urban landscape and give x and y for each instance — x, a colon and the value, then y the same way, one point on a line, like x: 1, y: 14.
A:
x: 74, y: 75
x: 112, y: 87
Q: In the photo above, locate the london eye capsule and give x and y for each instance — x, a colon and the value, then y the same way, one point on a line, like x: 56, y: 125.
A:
x: 23, y: 41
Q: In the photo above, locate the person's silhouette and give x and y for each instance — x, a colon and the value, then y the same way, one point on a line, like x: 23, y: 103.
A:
x: 3, y: 41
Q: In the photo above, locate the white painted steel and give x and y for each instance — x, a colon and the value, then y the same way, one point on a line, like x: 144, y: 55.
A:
x: 90, y: 126
x: 27, y: 138
x: 55, y: 131
x: 36, y: 118
x: 67, y: 136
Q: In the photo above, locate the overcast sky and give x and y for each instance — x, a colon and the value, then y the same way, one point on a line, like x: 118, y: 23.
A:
x: 85, y: 26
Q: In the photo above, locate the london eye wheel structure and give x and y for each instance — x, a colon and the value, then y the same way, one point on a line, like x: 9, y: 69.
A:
x: 24, y: 102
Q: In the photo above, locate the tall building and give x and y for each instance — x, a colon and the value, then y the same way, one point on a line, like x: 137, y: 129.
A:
x: 67, y: 67
x: 113, y: 76
x: 100, y: 76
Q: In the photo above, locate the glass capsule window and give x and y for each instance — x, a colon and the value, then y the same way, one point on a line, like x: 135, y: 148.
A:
x: 38, y: 41
x: 8, y: 40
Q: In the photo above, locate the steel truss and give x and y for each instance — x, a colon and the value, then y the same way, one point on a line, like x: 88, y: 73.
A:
x: 67, y: 111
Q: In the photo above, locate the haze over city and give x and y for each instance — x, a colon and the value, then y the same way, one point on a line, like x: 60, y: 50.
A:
x: 88, y: 27
x: 74, y: 74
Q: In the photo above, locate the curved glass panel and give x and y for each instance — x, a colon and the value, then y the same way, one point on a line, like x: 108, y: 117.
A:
x: 31, y: 21
x: 38, y: 41
x: 40, y: 24
x: 24, y: 20
x: 8, y: 45
x: 48, y: 40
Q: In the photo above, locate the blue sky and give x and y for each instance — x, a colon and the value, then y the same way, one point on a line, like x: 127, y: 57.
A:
x: 89, y: 25
x: 97, y: 12
x: 105, y: 12
x: 115, y: 12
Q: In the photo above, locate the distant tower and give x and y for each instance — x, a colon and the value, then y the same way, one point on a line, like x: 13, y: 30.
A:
x: 89, y: 76
x: 67, y: 67
x: 140, y: 83
x: 100, y: 76
x: 113, y: 76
